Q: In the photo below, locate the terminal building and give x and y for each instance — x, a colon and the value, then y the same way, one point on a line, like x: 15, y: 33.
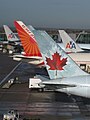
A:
x: 83, y: 37
x: 79, y: 37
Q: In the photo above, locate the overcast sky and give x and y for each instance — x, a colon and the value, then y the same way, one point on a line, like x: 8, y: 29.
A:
x: 46, y: 13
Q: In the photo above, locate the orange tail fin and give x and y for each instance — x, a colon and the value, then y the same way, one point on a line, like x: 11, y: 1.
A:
x: 27, y: 39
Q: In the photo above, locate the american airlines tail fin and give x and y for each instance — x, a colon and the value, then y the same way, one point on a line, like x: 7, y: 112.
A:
x: 69, y: 44
x: 10, y: 35
x: 27, y: 39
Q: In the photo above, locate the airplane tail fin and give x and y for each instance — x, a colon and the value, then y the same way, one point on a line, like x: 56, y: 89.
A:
x: 10, y: 35
x: 30, y: 27
x: 27, y: 39
x: 57, y: 62
x: 69, y: 44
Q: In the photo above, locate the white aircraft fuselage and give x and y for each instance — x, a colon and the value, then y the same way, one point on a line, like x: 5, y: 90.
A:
x: 79, y: 85
x: 82, y: 46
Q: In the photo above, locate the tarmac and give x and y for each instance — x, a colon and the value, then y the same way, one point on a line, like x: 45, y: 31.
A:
x: 34, y: 105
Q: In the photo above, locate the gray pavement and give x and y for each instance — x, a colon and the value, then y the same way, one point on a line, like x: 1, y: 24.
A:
x: 38, y: 105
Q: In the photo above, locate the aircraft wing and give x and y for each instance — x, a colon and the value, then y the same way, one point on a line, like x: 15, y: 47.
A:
x: 27, y: 57
x: 56, y: 84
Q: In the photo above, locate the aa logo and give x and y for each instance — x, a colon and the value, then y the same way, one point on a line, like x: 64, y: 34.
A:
x: 11, y: 36
x: 71, y: 45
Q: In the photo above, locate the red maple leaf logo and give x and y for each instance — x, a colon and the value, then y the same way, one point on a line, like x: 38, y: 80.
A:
x: 56, y: 63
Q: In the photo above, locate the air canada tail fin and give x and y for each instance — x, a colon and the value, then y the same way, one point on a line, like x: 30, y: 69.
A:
x: 10, y: 35
x: 27, y: 39
x: 57, y: 62
x: 69, y: 44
